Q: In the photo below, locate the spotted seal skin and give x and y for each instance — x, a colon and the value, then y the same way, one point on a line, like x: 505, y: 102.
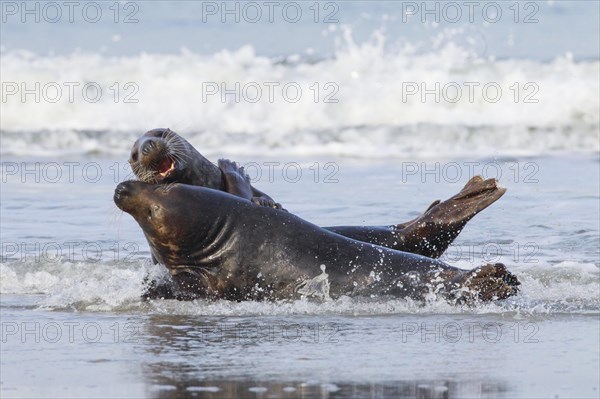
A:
x: 219, y: 246
x: 162, y: 156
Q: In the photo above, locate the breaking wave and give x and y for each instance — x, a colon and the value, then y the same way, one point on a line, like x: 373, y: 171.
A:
x: 371, y: 99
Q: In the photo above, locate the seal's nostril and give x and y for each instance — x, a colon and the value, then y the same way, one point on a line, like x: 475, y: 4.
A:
x: 147, y: 146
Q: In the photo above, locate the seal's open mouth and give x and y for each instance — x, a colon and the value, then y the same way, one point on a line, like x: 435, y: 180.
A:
x: 166, y: 166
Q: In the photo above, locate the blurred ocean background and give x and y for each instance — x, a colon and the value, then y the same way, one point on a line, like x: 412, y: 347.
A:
x: 362, y: 80
x: 378, y: 104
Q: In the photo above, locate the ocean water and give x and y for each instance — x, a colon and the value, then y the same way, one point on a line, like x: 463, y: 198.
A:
x: 366, y: 120
x: 74, y: 325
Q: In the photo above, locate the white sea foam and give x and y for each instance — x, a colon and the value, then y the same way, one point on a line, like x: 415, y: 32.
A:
x: 569, y: 287
x: 370, y: 118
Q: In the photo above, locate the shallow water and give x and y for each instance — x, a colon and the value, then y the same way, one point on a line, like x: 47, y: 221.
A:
x: 72, y: 302
x: 169, y: 355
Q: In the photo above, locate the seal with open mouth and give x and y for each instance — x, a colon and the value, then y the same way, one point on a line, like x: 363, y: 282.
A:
x: 162, y: 156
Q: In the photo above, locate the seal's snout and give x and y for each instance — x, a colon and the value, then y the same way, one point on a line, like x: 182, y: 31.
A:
x: 152, y: 147
x: 148, y: 146
x: 120, y: 194
x: 121, y: 188
x: 123, y: 192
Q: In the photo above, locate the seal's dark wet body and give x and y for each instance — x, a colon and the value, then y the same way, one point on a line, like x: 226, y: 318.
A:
x: 217, y: 245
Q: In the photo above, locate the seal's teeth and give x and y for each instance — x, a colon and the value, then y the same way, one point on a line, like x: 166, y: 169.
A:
x: 164, y: 166
x: 166, y: 172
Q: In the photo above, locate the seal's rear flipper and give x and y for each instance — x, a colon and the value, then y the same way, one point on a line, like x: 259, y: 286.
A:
x: 486, y: 283
x: 432, y: 233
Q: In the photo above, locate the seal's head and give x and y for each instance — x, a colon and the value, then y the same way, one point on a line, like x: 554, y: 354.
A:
x: 160, y: 210
x: 176, y: 235
x: 159, y: 156
x: 163, y: 213
x: 145, y: 202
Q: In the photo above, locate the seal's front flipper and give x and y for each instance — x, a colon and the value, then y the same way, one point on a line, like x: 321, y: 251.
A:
x: 486, y: 283
x: 237, y: 182
x: 235, y: 179
x: 161, y: 288
x: 267, y: 202
x: 432, y: 233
